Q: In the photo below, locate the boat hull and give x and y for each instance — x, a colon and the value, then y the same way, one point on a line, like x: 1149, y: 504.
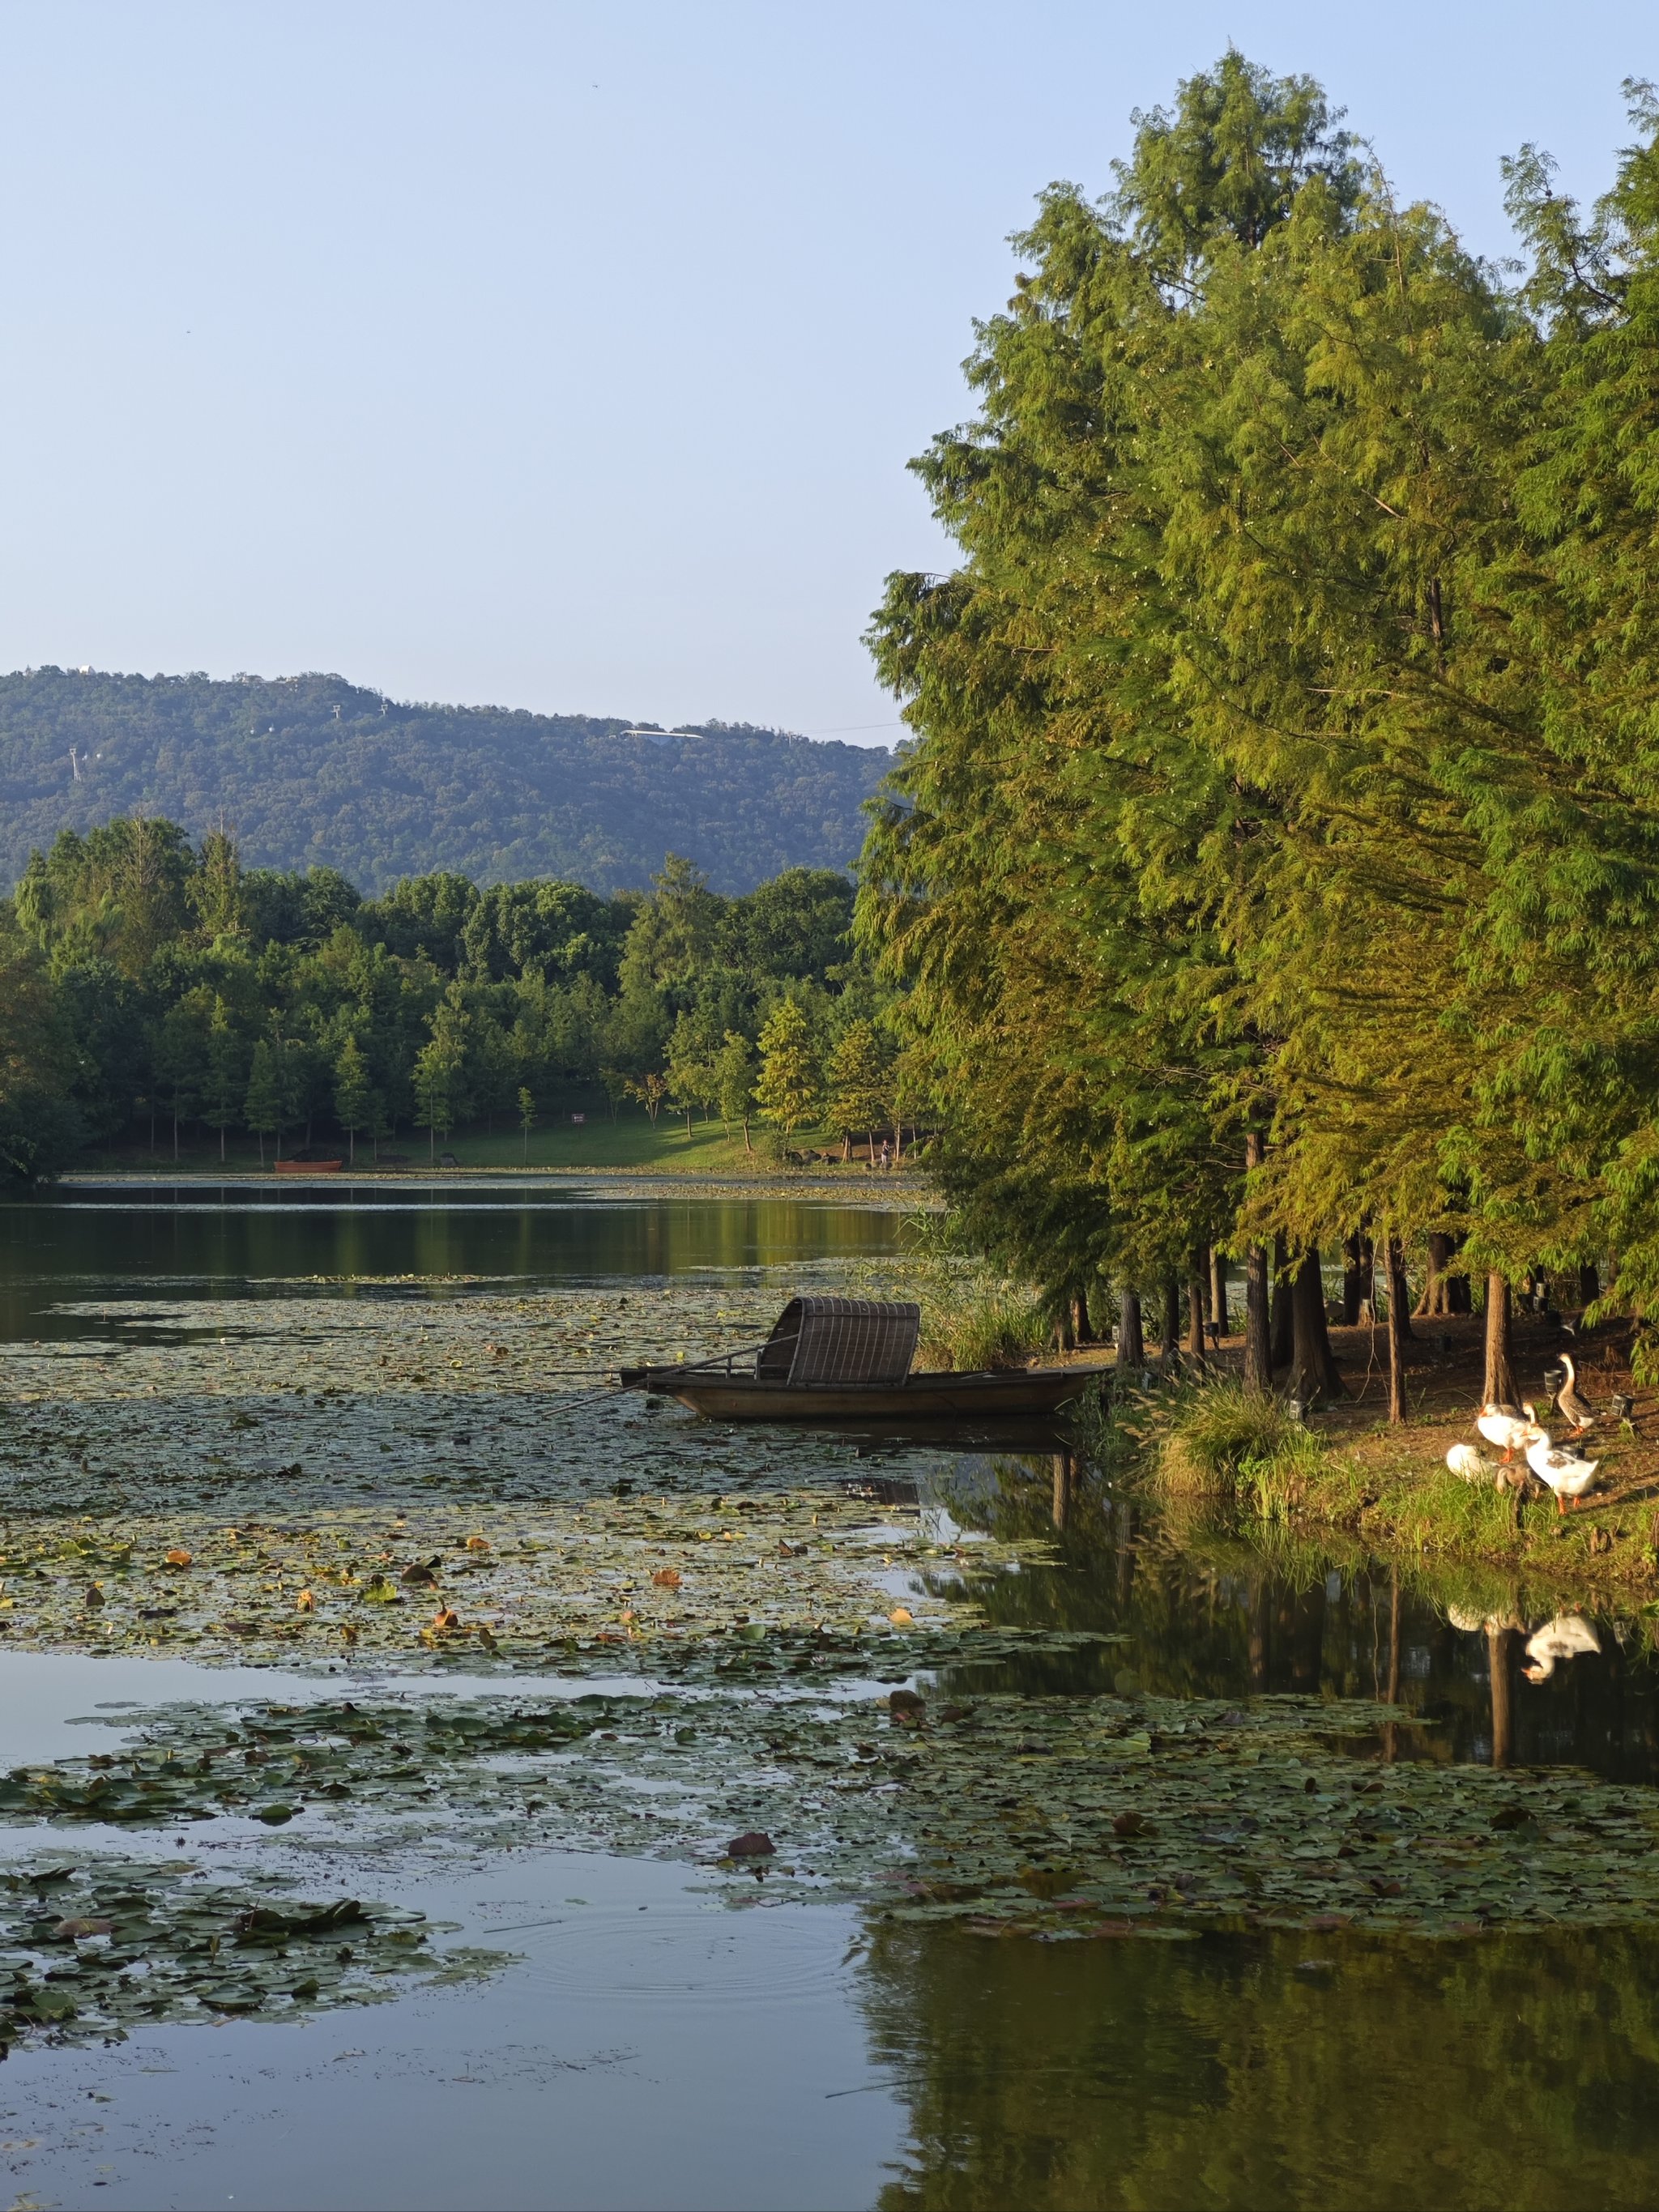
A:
x: 1031, y: 1393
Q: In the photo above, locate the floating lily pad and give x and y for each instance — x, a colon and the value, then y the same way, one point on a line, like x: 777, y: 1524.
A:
x: 149, y: 1942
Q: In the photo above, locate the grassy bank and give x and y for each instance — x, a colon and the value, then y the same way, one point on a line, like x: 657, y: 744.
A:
x: 631, y: 1141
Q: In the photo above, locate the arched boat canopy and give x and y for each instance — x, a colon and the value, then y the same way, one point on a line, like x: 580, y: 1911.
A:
x: 841, y: 1340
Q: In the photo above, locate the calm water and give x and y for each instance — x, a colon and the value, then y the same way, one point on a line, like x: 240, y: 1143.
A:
x: 233, y: 1240
x: 655, y: 2048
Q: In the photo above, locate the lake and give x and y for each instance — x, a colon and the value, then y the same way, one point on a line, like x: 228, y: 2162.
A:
x: 659, y: 2034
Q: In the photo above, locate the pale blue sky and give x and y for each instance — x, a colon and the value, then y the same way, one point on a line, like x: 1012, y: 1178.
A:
x: 569, y: 357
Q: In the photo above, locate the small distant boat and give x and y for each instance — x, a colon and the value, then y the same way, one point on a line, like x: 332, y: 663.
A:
x: 847, y: 1360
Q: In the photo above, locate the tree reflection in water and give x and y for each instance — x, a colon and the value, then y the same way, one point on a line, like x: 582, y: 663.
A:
x: 1329, y: 2071
x: 1334, y: 2070
x: 1211, y: 1611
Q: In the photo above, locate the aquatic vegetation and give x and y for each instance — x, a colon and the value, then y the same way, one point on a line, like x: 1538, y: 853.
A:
x: 1104, y: 1816
x: 405, y: 1388
x: 642, y: 1582
x: 91, y: 1948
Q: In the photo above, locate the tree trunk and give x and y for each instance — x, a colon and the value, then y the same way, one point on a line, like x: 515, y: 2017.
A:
x: 1082, y: 1327
x: 1434, y: 1300
x: 1283, y: 1326
x: 175, y: 1140
x: 1170, y: 1349
x: 1394, y: 1637
x: 1258, y: 1334
x: 1499, y: 1386
x: 1353, y: 1294
x: 1313, y: 1366
x: 1590, y: 1282
x: 1398, y: 1328
x: 262, y: 1148
x: 1218, y: 1288
x: 1131, y: 1343
x: 1195, y: 1308
x: 221, y: 1144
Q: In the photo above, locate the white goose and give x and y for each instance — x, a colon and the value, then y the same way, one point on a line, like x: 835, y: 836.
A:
x: 1470, y: 1462
x: 1568, y: 1635
x: 1505, y: 1425
x: 1567, y: 1473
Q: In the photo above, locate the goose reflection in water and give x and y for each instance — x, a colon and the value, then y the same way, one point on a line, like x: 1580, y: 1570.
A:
x: 1568, y: 1635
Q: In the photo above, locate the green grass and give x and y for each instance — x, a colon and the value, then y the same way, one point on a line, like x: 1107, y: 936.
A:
x: 630, y: 1142
x: 1215, y: 1437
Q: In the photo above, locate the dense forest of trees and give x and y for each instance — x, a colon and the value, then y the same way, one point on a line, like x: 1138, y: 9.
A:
x: 312, y: 771
x: 1277, y: 866
x: 147, y: 981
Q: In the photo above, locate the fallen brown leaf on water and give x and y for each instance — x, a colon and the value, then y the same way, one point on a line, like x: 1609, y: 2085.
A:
x: 902, y: 1617
x: 306, y: 1602
x: 478, y: 1543
x: 752, y: 1845
x: 445, y: 1617
x: 666, y: 1579
x: 1131, y: 1824
x: 179, y: 1558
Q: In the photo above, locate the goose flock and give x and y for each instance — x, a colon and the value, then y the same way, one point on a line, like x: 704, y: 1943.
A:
x: 1514, y: 1429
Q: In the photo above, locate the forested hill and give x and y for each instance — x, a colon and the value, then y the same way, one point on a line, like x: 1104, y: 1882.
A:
x: 310, y: 770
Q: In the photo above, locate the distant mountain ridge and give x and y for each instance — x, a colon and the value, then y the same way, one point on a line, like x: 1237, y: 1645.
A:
x: 313, y: 770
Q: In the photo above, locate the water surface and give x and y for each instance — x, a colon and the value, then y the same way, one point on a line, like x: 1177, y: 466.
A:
x: 655, y: 2046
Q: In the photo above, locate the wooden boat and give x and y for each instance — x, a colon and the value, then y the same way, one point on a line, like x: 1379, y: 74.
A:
x: 307, y: 1167
x: 847, y: 1361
